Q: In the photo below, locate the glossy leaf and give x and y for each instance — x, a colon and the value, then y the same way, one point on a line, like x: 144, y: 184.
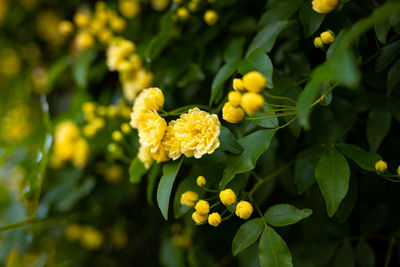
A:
x: 170, y: 170
x: 332, y: 174
x: 229, y: 142
x: 136, y: 170
x: 344, y: 256
x: 362, y: 158
x: 259, y: 61
x: 310, y: 19
x: 378, y: 125
x: 234, y: 50
x: 81, y: 68
x: 304, y: 169
x: 285, y: 214
x: 364, y: 254
x: 247, y: 234
x: 388, y: 55
x: 254, y: 145
x: 222, y: 75
x: 273, y: 251
x: 305, y: 101
x: 151, y: 182
x: 279, y: 10
x: 381, y: 30
x: 393, y: 78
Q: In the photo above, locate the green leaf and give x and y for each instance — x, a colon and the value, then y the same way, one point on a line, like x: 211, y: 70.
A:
x: 378, y: 125
x: 247, y: 234
x: 364, y: 254
x: 285, y: 214
x: 332, y: 174
x: 151, y: 182
x: 273, y: 251
x: 306, y: 99
x: 266, y: 38
x: 170, y: 170
x: 257, y: 60
x: 136, y: 170
x: 365, y: 160
x: 304, y: 168
x: 80, y: 71
x: 310, y: 19
x: 234, y: 50
x: 193, y: 73
x: 393, y: 78
x: 222, y: 75
x: 279, y: 10
x: 381, y: 30
x: 344, y: 256
x: 229, y: 142
x: 57, y: 69
x: 388, y: 55
x: 269, y: 122
x: 254, y: 145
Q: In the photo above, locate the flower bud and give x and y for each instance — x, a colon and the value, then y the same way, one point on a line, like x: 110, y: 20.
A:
x: 126, y: 128
x: 244, y: 210
x: 198, y: 218
x: 189, y: 198
x: 182, y: 13
x: 82, y: 19
x: 65, y: 27
x: 91, y: 238
x: 214, y: 219
x: 252, y: 102
x: 324, y: 6
x: 211, y: 17
x: 153, y: 98
x: 254, y: 81
x: 238, y: 84
x: 117, y: 23
x: 202, y: 207
x: 327, y: 37
x: 227, y: 197
x: 84, y: 40
x: 201, y: 181
x: 234, y: 98
x: 232, y: 114
x: 116, y: 136
x: 129, y: 8
x: 381, y: 166
x: 318, y: 42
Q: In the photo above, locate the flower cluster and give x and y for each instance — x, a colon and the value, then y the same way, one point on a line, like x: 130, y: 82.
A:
x: 102, y: 24
x: 246, y: 96
x: 121, y: 57
x: 185, y: 8
x: 69, y: 145
x: 243, y: 209
x: 193, y: 134
x: 327, y: 37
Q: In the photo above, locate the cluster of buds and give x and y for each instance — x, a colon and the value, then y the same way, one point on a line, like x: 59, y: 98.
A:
x: 325, y: 38
x: 183, y: 11
x: 246, y: 96
x: 243, y: 209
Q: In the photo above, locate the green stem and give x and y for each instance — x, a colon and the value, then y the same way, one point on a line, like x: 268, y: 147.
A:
x: 272, y: 116
x: 279, y: 97
x: 286, y: 124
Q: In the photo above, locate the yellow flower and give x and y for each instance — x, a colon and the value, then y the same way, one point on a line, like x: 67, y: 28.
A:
x: 133, y: 83
x: 171, y: 143
x: 227, y: 197
x: 232, y: 114
x: 73, y: 232
x: 197, y: 133
x: 182, y: 13
x: 82, y: 19
x: 254, y: 81
x: 118, y: 52
x: 117, y: 23
x: 189, y: 198
x: 117, y: 136
x: 202, y: 207
x: 214, y: 219
x: 235, y: 98
x: 125, y: 128
x: 91, y: 238
x: 198, y: 218
x: 65, y: 27
x: 324, y: 6
x: 161, y: 155
x: 244, y: 210
x: 144, y: 155
x: 65, y: 136
x: 318, y: 42
x: 105, y: 35
x: 81, y: 153
x: 153, y: 98
x: 129, y: 8
x: 238, y: 84
x: 84, y: 40
x: 159, y: 5
x: 252, y: 102
x: 89, y: 109
x: 201, y: 181
x: 211, y: 17
x: 381, y: 166
x: 151, y: 130
x: 327, y: 37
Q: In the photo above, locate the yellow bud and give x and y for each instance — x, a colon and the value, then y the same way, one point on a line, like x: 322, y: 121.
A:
x: 153, y: 98
x: 65, y: 27
x: 73, y: 232
x: 210, y: 17
x: 89, y: 109
x: 254, y: 81
x: 189, y: 198
x: 381, y: 166
x: 201, y: 181
x: 193, y: 6
x: 318, y: 42
x: 98, y: 123
x: 182, y: 13
x: 327, y: 37
x: 234, y: 98
x: 117, y: 23
x: 214, y: 219
x: 252, y: 102
x: 126, y: 128
x: 198, y: 218
x: 232, y: 114
x: 117, y: 136
x: 89, y: 130
x: 244, y: 210
x: 105, y: 36
x: 202, y: 207
x: 91, y: 238
x: 129, y: 8
x: 238, y: 84
x: 398, y: 170
x: 227, y: 197
x: 82, y: 19
x: 84, y: 40
x: 324, y: 6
